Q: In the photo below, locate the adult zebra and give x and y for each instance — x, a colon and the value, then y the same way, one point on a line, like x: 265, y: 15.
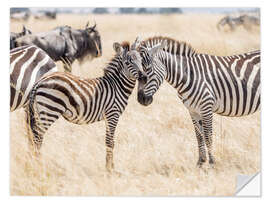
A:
x: 27, y: 65
x: 82, y: 101
x: 207, y: 84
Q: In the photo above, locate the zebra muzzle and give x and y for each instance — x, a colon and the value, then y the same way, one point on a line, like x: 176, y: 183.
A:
x: 143, y: 99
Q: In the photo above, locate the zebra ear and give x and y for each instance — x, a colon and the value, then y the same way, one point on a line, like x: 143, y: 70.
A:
x: 136, y: 43
x: 118, y: 48
x: 155, y: 49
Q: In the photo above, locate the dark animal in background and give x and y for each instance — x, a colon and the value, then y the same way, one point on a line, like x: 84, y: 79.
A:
x: 50, y: 15
x: 14, y: 36
x: 20, y: 16
x: 245, y: 20
x: 67, y: 44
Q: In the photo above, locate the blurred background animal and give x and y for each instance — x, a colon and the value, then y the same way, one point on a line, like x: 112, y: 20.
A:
x: 20, y: 16
x: 14, y: 36
x: 67, y: 44
x: 232, y: 22
x: 45, y: 15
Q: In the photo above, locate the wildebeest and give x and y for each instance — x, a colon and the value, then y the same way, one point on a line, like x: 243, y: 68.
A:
x: 233, y: 22
x: 20, y: 16
x: 14, y: 36
x: 66, y: 44
x: 45, y: 15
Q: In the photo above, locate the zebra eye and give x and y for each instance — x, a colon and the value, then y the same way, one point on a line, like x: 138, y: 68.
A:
x: 126, y: 63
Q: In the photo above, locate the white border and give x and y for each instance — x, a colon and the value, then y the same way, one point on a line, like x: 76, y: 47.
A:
x: 137, y: 3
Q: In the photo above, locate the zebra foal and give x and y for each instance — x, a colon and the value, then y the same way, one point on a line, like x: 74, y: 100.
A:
x: 83, y: 101
x: 206, y: 84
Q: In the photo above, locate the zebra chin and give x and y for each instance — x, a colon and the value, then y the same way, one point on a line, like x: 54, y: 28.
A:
x: 143, y: 99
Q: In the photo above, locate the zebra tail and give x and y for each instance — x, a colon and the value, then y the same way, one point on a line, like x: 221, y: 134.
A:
x: 33, y: 115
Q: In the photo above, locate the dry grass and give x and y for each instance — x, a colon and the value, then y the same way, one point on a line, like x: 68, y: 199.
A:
x: 156, y: 148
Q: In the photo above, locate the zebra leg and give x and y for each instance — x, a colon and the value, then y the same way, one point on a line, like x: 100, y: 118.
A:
x: 40, y: 118
x: 207, y: 120
x: 35, y: 132
x: 111, y: 123
x: 29, y: 132
x: 197, y: 122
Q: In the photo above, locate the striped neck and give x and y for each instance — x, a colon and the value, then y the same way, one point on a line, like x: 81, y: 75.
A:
x: 173, y: 53
x: 176, y: 66
x: 115, y: 75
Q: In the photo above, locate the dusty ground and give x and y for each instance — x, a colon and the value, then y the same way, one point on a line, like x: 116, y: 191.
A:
x: 156, y: 148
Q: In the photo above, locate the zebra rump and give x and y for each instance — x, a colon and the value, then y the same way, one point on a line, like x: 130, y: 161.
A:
x: 27, y: 65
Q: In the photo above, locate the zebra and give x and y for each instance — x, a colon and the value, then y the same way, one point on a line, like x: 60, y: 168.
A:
x: 27, y: 65
x: 232, y: 22
x: 206, y: 84
x: 83, y: 101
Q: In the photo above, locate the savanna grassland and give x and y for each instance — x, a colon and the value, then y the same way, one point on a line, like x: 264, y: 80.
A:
x: 155, y: 146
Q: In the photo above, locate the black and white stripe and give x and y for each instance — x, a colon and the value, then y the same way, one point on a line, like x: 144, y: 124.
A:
x: 83, y: 101
x: 27, y: 65
x: 207, y: 84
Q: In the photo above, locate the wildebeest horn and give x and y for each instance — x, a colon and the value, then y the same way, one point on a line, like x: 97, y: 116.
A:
x: 87, y: 25
x: 94, y: 26
x: 136, y: 43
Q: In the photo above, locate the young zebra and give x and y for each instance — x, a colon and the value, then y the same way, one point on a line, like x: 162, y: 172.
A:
x: 83, y: 101
x: 27, y: 65
x: 206, y: 84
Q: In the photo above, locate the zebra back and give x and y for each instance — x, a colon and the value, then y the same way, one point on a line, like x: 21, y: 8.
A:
x: 27, y: 65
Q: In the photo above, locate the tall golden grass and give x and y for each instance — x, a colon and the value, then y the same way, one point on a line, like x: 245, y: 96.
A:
x: 155, y: 149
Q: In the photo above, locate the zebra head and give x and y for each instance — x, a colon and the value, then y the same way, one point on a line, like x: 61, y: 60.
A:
x: 155, y: 72
x: 131, y: 60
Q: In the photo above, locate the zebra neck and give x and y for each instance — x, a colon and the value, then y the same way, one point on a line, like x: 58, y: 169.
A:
x: 120, y: 82
x: 177, y: 70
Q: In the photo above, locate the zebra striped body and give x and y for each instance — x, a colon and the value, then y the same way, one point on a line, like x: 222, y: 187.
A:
x: 27, y: 65
x: 228, y: 85
x: 83, y: 101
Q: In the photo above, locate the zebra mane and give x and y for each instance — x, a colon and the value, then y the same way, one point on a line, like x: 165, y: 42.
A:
x: 112, y: 65
x: 173, y: 46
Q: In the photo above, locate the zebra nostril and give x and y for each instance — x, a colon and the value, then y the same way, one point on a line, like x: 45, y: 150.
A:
x: 149, y: 100
x: 144, y: 79
x: 141, y: 97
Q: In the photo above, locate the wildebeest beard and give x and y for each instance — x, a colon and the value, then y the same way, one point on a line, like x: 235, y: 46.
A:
x: 89, y: 48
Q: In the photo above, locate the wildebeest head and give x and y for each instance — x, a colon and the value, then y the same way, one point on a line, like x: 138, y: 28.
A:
x: 94, y: 42
x: 26, y: 31
x: 14, y: 36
